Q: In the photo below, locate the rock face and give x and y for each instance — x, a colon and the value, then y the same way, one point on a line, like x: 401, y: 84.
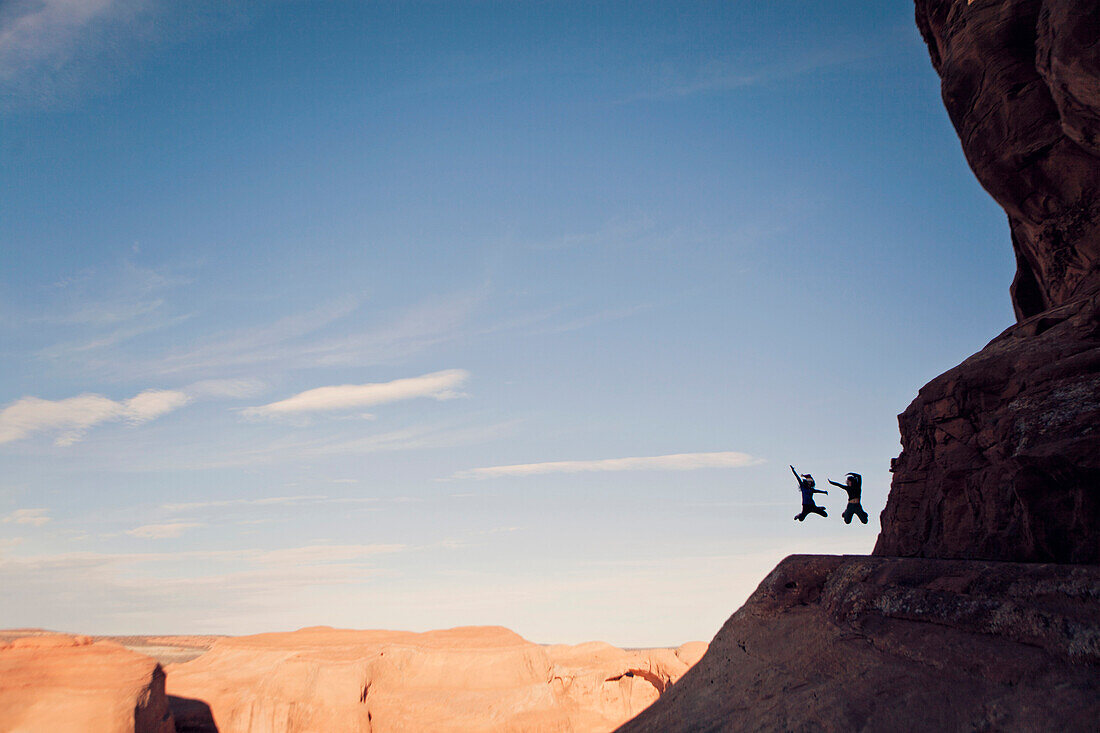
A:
x: 899, y: 644
x: 55, y: 682
x: 465, y: 679
x: 1020, y: 82
x: 1000, y: 459
x: 1001, y: 455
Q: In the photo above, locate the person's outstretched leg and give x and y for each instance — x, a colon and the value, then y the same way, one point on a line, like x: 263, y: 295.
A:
x: 819, y: 510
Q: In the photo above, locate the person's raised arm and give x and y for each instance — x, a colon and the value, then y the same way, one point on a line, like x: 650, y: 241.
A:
x: 834, y: 483
x: 796, y: 474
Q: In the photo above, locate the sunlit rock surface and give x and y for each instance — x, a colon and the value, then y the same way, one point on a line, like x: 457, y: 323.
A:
x: 464, y: 679
x: 58, y: 683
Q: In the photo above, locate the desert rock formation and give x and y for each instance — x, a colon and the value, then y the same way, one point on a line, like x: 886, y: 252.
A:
x: 1001, y: 455
x: 1019, y: 80
x: 961, y: 621
x: 56, y: 682
x: 464, y: 679
x: 897, y: 644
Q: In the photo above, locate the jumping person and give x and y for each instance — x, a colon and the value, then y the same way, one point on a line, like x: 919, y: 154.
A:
x: 806, y: 485
x: 854, y: 488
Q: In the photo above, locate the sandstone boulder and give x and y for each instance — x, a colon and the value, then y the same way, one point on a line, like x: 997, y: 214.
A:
x: 55, y: 682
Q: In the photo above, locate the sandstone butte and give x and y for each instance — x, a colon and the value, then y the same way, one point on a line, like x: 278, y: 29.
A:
x: 980, y: 607
x: 56, y: 682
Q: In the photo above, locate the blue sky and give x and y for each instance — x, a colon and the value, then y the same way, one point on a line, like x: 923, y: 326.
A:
x: 304, y: 305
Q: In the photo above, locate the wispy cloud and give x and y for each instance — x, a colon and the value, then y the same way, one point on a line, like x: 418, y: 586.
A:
x: 419, y: 436
x: 34, y: 517
x: 265, y: 501
x: 162, y: 531
x: 135, y: 458
x: 226, y: 388
x: 71, y: 418
x: 305, y: 340
x: 259, y: 345
x: 131, y: 591
x: 44, y: 33
x: 634, y: 228
x: 101, y: 308
x: 319, y: 554
x: 670, y: 462
x: 720, y: 76
x: 105, y: 296
x: 437, y: 385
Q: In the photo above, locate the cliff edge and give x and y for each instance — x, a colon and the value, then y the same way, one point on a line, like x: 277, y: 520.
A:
x: 1001, y: 455
x: 980, y: 607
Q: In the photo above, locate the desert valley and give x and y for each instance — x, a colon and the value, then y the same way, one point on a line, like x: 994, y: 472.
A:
x: 323, y: 679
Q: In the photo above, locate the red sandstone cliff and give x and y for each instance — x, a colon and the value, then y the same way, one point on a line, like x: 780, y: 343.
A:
x: 1000, y: 459
x: 898, y: 644
x: 1001, y: 455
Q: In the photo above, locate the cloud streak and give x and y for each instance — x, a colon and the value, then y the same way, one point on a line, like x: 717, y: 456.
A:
x: 305, y: 341
x: 46, y: 32
x: 265, y: 501
x: 718, y: 77
x: 437, y: 385
x: 670, y: 462
x: 162, y: 531
x: 71, y: 418
x: 35, y: 517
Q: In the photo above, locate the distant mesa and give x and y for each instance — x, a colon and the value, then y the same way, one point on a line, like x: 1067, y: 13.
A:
x: 483, y: 678
x: 332, y: 680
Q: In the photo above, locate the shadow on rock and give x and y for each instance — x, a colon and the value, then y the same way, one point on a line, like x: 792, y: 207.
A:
x: 192, y: 716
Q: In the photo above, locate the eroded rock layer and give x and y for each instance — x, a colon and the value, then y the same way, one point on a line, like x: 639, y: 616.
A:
x: 56, y: 682
x: 465, y: 679
x: 898, y: 644
x: 1001, y: 455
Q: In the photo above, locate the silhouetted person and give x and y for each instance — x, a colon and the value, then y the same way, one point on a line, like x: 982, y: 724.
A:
x: 806, y: 485
x: 854, y: 488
